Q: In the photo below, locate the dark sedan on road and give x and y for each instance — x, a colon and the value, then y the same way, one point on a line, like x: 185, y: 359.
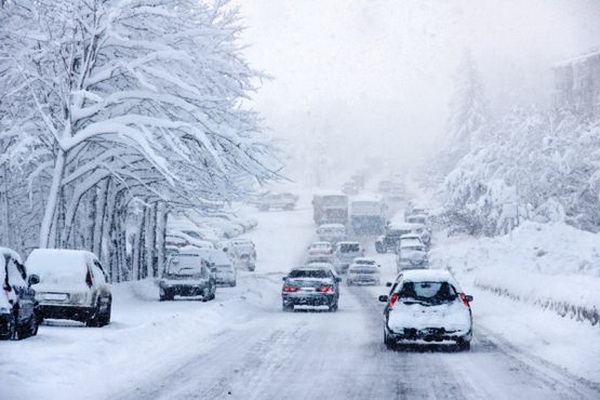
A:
x: 310, y: 286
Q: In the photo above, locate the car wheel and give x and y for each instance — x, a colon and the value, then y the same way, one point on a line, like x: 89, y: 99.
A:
x: 379, y: 248
x: 165, y: 295
x: 233, y: 284
x: 333, y: 307
x: 251, y: 268
x: 28, y: 329
x: 94, y: 318
x: 463, y: 345
x: 105, y: 319
x: 389, y: 343
x: 288, y: 307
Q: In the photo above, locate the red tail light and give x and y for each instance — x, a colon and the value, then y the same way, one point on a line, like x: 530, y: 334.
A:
x: 325, y: 289
x: 463, y: 297
x: 393, y: 299
x: 88, y: 279
x: 288, y: 288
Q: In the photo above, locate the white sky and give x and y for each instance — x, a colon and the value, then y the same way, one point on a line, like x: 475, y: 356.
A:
x: 377, y: 74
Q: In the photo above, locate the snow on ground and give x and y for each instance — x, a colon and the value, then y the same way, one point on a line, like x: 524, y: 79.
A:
x: 149, y: 339
x: 520, y: 282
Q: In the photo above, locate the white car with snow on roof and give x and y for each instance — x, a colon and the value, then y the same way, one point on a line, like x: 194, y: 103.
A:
x: 427, y: 306
x: 73, y: 285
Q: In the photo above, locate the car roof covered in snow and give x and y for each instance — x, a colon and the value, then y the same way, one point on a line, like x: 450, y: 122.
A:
x: 58, y: 259
x: 429, y: 275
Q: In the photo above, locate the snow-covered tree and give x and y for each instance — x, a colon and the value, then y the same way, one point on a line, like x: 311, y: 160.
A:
x: 118, y: 100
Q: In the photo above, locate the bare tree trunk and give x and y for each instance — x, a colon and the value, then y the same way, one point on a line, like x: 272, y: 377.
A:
x: 101, y: 216
x: 161, y: 231
x: 151, y: 216
x: 6, y: 237
x: 53, y: 198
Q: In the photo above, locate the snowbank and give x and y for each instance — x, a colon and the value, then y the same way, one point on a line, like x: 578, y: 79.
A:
x: 553, y: 266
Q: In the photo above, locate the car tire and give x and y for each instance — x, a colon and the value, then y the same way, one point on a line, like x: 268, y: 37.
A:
x: 333, y: 307
x: 463, y: 345
x: 389, y: 344
x: 379, y: 248
x: 233, y: 284
x: 93, y: 320
x: 28, y: 329
x: 288, y: 307
x: 165, y: 295
x: 106, y: 315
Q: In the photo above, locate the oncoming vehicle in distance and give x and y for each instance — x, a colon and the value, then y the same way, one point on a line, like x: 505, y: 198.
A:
x: 242, y: 253
x: 19, y: 313
x: 330, y: 208
x: 187, y: 273
x: 73, y: 285
x: 270, y: 200
x: 363, y: 271
x: 310, y: 286
x: 345, y: 253
x: 427, y: 306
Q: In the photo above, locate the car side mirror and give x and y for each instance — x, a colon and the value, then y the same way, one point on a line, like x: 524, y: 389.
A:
x: 469, y: 298
x: 388, y: 284
x: 33, y: 279
x: 283, y: 278
x: 383, y: 298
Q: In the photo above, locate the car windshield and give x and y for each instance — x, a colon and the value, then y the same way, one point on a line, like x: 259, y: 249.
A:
x: 309, y: 273
x: 363, y: 270
x: 349, y: 247
x: 429, y: 292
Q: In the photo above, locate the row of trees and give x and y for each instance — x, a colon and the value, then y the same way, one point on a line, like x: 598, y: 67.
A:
x: 529, y: 164
x: 115, y: 112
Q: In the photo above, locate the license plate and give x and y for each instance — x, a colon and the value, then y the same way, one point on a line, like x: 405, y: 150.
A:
x: 55, y: 296
x: 308, y: 289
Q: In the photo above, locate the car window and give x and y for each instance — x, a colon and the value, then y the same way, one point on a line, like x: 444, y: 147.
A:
x: 16, y: 273
x: 427, y: 291
x: 309, y: 273
x: 349, y: 247
x: 99, y: 273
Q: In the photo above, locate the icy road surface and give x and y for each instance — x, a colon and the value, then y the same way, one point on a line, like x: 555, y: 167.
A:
x: 242, y: 346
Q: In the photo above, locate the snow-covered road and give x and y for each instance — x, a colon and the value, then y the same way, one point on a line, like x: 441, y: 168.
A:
x: 242, y: 346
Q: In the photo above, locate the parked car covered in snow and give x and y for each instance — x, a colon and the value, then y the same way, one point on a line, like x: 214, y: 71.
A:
x: 242, y: 253
x: 345, y: 253
x: 310, y: 286
x: 225, y: 272
x: 275, y: 200
x: 73, y: 285
x: 427, y: 306
x: 188, y: 273
x: 363, y: 271
x: 19, y: 312
x: 332, y: 233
